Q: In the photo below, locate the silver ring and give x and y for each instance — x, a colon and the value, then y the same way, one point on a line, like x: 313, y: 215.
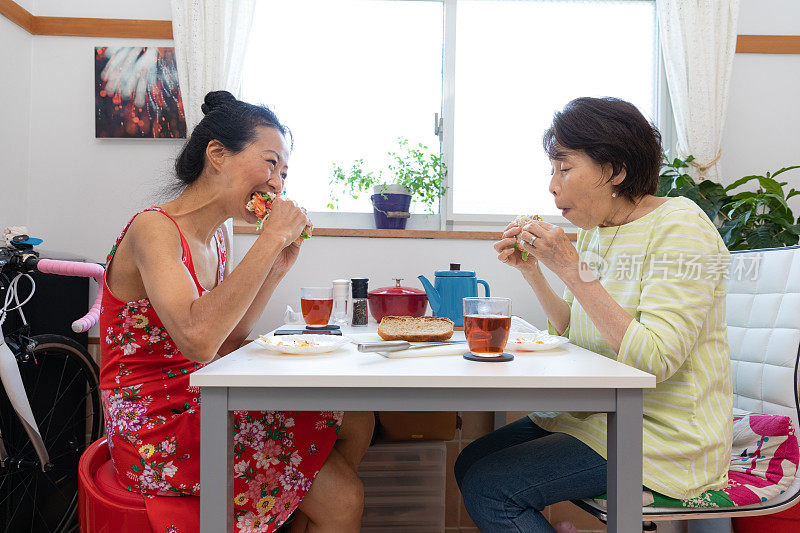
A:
x: 532, y: 239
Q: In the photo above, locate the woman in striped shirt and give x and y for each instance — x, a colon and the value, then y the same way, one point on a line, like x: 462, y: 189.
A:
x: 645, y: 286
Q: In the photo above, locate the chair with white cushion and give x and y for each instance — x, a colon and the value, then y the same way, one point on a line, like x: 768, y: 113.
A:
x: 763, y: 318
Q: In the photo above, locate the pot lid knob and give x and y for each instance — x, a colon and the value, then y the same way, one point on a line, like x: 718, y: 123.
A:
x: 397, y: 281
x: 455, y: 266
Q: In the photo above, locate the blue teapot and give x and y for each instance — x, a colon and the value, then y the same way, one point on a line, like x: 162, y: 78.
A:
x: 451, y: 287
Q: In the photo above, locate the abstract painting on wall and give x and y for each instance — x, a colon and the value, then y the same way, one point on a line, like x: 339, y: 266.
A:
x: 137, y: 93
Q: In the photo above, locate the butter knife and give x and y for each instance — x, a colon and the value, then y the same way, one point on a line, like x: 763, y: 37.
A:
x: 397, y: 346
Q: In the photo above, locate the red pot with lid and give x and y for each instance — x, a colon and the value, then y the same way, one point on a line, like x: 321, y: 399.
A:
x: 397, y: 301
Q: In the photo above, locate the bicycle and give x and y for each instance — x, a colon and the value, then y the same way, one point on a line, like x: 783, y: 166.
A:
x: 52, y: 386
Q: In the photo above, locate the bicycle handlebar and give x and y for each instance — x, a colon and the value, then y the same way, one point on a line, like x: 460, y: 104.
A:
x: 84, y: 270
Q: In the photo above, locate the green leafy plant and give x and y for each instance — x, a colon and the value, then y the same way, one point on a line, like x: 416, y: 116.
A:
x: 415, y: 167
x: 746, y: 220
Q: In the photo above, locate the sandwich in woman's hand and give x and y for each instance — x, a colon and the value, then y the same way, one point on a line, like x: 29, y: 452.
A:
x: 260, y: 204
x: 522, y: 221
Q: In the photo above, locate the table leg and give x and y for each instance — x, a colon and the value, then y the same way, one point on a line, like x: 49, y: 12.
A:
x: 625, y: 463
x: 216, y: 461
x: 499, y: 419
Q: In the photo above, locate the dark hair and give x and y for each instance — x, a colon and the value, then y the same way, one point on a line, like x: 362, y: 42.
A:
x: 227, y: 120
x: 613, y: 131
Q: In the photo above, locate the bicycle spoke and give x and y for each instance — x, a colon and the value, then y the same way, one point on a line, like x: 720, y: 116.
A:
x: 58, y: 388
x: 66, y: 409
x: 11, y: 520
x: 35, y: 497
x: 47, y: 417
x: 55, y: 403
x: 57, y: 488
x: 9, y: 491
x: 67, y: 425
x: 36, y: 385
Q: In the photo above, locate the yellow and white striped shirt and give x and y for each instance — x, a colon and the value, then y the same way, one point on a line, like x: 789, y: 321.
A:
x: 667, y: 269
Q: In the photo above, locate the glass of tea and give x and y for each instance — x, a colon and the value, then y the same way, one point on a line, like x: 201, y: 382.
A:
x: 316, y: 304
x: 486, y: 325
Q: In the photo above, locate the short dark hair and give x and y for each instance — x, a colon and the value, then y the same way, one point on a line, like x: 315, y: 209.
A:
x: 613, y: 131
x: 227, y: 120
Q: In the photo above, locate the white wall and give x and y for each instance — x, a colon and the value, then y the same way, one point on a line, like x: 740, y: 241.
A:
x: 29, y: 5
x: 15, y: 85
x: 324, y: 259
x: 82, y: 190
x: 762, y: 130
x: 140, y: 9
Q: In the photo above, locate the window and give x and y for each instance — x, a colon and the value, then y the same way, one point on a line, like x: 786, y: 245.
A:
x: 518, y: 62
x: 350, y: 76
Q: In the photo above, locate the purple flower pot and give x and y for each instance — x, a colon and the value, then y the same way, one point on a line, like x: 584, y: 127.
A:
x: 386, y: 203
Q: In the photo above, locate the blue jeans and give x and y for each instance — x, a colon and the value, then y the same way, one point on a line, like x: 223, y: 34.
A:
x: 508, y: 476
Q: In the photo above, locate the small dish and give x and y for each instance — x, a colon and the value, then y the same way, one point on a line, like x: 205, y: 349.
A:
x: 534, y: 342
x: 301, y: 344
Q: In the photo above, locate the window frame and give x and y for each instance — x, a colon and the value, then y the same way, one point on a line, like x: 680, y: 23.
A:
x: 445, y: 219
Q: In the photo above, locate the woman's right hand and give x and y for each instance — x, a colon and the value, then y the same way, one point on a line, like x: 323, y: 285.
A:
x: 286, y: 220
x: 513, y: 256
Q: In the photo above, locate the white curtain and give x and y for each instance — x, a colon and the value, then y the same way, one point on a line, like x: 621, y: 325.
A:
x: 210, y: 41
x: 698, y: 39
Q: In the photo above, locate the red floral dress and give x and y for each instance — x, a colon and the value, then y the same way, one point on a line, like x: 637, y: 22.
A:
x: 153, y: 424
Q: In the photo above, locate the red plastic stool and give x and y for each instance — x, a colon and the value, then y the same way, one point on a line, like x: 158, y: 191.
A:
x: 104, y: 506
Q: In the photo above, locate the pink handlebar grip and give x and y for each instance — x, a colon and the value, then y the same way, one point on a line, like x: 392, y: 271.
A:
x: 84, y: 270
x: 70, y: 268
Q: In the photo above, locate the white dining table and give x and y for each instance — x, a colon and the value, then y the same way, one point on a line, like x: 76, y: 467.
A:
x: 568, y: 378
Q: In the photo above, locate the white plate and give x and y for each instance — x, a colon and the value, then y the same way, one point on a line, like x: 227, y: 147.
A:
x: 301, y: 344
x: 534, y: 342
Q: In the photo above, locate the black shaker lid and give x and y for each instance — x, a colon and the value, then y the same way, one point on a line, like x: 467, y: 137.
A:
x: 359, y: 287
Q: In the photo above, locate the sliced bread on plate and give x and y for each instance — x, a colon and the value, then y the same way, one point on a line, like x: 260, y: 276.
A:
x: 415, y: 329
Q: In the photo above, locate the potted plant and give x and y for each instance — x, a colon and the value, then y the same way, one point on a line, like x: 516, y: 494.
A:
x: 412, y: 171
x: 746, y: 220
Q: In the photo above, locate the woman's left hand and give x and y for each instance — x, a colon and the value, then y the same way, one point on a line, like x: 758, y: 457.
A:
x: 285, y: 260
x: 551, y: 247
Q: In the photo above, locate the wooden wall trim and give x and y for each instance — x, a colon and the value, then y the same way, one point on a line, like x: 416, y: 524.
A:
x: 768, y: 44
x: 84, y: 27
x: 90, y: 27
x: 17, y: 14
x: 242, y: 228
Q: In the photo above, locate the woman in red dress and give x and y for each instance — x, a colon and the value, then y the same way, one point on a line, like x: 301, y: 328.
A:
x: 159, y: 324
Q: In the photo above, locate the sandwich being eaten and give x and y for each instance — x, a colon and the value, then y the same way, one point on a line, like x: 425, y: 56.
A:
x: 260, y: 204
x: 521, y: 221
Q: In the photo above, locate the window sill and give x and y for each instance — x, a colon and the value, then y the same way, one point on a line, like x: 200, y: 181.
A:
x: 243, y: 228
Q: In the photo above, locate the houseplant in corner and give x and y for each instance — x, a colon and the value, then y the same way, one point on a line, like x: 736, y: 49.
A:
x: 413, y: 171
x: 746, y: 220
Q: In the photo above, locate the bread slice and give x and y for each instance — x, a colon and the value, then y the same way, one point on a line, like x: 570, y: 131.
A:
x: 419, y: 329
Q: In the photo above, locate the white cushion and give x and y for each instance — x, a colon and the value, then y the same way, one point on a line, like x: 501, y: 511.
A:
x: 763, y: 317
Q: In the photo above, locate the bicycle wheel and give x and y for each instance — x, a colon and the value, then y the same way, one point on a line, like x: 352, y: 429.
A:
x: 62, y: 384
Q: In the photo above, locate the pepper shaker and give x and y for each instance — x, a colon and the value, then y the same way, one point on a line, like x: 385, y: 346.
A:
x: 359, y: 301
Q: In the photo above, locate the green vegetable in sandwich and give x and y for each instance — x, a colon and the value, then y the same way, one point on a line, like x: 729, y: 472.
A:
x: 261, y: 203
x: 522, y: 221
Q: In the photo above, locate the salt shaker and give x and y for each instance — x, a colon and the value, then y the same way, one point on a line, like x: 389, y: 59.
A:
x: 341, y: 292
x: 359, y: 301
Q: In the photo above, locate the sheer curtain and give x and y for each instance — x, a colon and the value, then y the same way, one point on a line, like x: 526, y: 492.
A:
x: 698, y: 39
x: 210, y: 41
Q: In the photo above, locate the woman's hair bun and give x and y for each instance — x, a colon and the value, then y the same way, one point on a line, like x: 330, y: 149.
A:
x: 233, y: 123
x: 215, y: 99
